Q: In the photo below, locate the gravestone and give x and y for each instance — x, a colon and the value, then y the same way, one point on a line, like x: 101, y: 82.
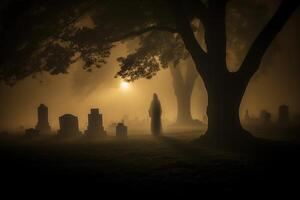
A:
x: 31, y: 132
x: 121, y: 130
x: 43, y: 124
x: 68, y: 125
x: 95, y: 124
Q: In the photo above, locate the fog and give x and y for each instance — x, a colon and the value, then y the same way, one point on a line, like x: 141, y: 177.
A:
x: 76, y: 92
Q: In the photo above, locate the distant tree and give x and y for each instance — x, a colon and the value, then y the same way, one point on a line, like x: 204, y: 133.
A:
x: 183, y: 85
x: 50, y: 41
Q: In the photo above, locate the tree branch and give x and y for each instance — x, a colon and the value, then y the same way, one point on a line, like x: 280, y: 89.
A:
x: 257, y: 50
x: 136, y: 33
x: 189, y: 39
x: 215, y: 35
x: 58, y: 34
x: 200, y: 9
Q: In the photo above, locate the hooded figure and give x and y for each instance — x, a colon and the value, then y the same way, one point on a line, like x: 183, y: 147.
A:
x: 155, y: 114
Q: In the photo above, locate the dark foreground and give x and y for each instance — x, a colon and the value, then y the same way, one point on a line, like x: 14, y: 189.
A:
x: 143, y: 163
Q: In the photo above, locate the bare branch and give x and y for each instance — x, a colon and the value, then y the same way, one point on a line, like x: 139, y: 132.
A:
x: 215, y: 34
x: 200, y: 9
x: 190, y: 41
x: 256, y: 52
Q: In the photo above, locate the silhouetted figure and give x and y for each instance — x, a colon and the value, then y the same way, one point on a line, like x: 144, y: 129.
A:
x: 43, y: 124
x: 283, y: 115
x: 95, y: 124
x: 121, y: 130
x: 68, y: 125
x: 155, y: 114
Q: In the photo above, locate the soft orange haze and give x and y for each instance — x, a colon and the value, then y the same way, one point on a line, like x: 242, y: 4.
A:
x: 277, y: 83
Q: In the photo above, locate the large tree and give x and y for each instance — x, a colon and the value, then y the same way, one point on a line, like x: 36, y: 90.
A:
x: 50, y: 41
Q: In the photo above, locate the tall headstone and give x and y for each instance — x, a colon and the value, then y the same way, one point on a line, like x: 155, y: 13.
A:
x: 43, y: 123
x: 95, y: 124
x: 283, y: 114
x: 68, y: 125
x: 121, y: 130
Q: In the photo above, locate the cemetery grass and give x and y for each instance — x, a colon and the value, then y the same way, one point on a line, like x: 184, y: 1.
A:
x: 143, y: 162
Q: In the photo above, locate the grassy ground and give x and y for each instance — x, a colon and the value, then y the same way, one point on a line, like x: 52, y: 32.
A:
x: 143, y: 162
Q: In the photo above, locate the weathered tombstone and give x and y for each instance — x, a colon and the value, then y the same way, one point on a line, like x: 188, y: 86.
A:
x: 31, y: 132
x: 283, y: 114
x: 43, y: 124
x: 121, y: 130
x: 68, y: 125
x: 95, y: 124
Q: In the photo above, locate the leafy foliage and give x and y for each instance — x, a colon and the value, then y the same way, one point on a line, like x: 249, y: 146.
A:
x: 42, y: 36
x: 157, y: 50
x: 27, y: 27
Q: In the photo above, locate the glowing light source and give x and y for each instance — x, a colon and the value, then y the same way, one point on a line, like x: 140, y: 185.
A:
x: 124, y: 85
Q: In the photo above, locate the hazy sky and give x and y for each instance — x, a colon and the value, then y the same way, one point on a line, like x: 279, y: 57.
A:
x: 277, y: 83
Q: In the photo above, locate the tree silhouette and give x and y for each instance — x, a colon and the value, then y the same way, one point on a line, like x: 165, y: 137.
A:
x: 183, y: 85
x: 50, y: 41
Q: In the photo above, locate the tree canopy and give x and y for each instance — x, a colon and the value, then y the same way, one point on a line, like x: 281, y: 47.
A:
x: 42, y: 35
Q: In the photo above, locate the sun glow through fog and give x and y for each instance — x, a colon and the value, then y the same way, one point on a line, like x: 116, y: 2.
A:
x: 124, y: 85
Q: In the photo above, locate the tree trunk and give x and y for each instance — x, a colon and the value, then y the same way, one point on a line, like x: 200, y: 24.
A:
x: 183, y: 88
x: 184, y: 115
x: 225, y: 89
x: 224, y: 99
